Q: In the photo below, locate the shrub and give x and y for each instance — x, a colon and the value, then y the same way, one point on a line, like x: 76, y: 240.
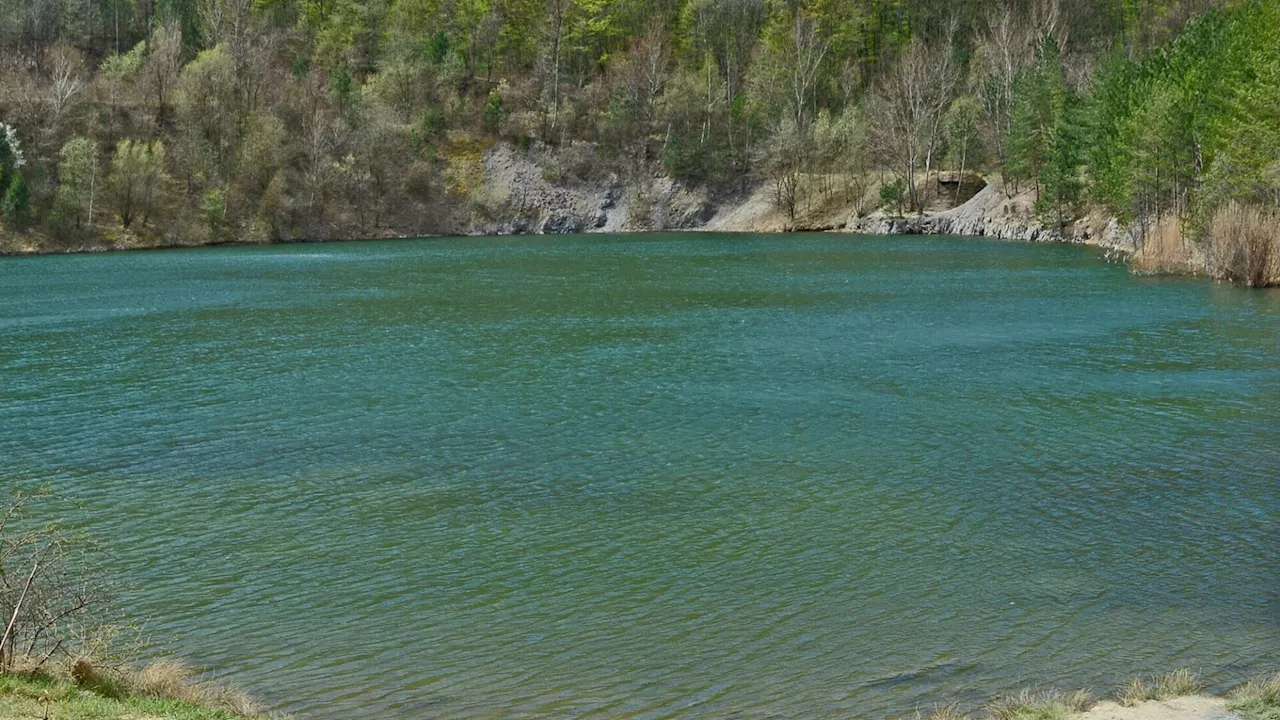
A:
x: 493, y: 113
x: 893, y: 195
x: 54, y: 599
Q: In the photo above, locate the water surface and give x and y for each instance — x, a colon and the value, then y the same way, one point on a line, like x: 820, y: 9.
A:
x: 660, y: 476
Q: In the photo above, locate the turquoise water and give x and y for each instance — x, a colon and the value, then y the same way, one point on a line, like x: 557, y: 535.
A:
x: 660, y: 476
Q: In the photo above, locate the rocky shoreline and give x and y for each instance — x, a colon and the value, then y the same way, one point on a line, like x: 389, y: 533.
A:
x: 526, y: 191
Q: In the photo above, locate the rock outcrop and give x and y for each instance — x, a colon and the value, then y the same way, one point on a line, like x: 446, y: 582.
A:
x: 992, y: 213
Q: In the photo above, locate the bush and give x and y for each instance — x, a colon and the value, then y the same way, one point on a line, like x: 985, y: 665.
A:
x: 55, y: 600
x: 893, y: 195
x: 493, y: 113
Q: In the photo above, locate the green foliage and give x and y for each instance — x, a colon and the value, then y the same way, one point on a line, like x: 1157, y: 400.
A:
x: 494, y: 112
x: 894, y: 195
x: 433, y: 122
x: 16, y: 204
x: 1195, y: 124
x: 137, y: 179
x: 121, y: 67
x: 77, y: 177
x: 341, y: 87
x: 438, y: 47
x: 213, y: 205
x: 965, y: 147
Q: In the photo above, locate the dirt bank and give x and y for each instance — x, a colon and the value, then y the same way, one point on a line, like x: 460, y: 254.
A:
x: 1191, y: 707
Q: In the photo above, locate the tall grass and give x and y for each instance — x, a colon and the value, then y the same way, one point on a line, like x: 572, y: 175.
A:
x: 1244, y: 245
x: 1257, y: 699
x: 1164, y: 249
x: 1159, y: 687
x: 1039, y: 705
x: 164, y: 680
x: 176, y: 680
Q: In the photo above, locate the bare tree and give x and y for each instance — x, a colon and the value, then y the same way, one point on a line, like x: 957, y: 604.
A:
x: 227, y: 22
x: 555, y: 26
x: 164, y: 62
x: 912, y: 102
x: 66, y: 81
x: 808, y: 49
x: 643, y: 73
x: 783, y: 160
x: 50, y: 590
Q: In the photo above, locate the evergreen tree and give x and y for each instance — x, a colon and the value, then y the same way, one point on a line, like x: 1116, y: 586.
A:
x: 16, y: 204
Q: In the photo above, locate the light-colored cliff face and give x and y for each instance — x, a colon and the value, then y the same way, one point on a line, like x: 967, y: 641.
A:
x: 989, y: 213
x: 526, y: 192
x: 993, y: 213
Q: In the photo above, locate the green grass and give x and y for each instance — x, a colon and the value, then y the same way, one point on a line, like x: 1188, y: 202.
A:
x: 23, y: 697
x: 1257, y: 699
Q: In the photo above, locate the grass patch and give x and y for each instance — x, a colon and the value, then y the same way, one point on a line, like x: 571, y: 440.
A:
x: 1159, y: 687
x: 1039, y: 705
x: 1257, y: 699
x: 165, y: 690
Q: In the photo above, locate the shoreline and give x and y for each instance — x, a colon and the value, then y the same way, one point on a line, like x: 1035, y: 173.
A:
x: 989, y: 213
x: 169, y: 690
x: 979, y: 217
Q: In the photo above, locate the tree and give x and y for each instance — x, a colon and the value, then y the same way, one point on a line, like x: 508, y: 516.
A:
x: 11, y: 157
x: 208, y: 108
x: 964, y: 136
x: 783, y: 164
x: 65, y: 82
x: 137, y: 179
x: 160, y: 70
x: 1004, y: 49
x: 911, y: 104
x: 78, y: 178
x: 807, y: 50
x: 16, y: 204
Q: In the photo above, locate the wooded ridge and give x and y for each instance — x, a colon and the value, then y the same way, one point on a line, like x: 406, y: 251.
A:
x: 139, y: 122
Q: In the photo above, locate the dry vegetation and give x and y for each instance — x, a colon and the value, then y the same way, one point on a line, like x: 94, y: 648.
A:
x: 1164, y: 248
x: 1039, y: 705
x: 1244, y: 245
x: 1159, y: 687
x: 62, y: 643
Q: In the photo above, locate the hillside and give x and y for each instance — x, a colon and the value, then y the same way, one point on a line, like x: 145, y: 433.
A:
x: 135, y: 123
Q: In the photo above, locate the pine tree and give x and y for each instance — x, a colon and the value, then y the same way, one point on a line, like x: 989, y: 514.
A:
x: 16, y: 205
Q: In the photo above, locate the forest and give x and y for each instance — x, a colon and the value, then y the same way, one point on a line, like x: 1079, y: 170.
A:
x: 136, y: 122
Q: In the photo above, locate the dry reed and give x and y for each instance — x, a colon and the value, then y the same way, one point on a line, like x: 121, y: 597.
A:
x: 1244, y: 245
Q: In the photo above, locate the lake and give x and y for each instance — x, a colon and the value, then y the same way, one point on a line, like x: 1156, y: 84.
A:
x: 658, y: 476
